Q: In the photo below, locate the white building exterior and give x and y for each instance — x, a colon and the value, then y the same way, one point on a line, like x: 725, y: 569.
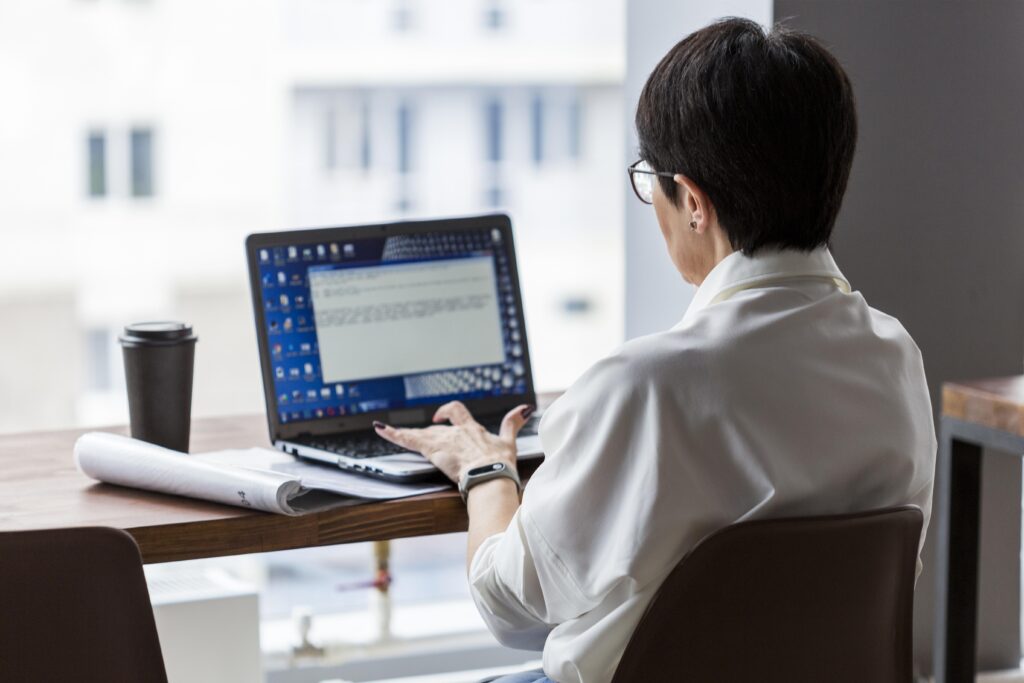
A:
x: 141, y: 140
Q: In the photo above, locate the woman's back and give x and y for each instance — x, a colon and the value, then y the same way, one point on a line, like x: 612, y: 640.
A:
x: 780, y: 393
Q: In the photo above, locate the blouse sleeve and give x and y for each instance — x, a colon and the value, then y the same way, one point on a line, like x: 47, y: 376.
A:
x: 521, y: 588
x: 505, y: 603
x: 553, y: 563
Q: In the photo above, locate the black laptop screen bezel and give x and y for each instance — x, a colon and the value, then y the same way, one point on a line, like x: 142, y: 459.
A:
x: 363, y: 421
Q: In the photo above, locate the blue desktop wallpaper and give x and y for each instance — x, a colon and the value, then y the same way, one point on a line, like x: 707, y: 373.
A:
x: 300, y: 393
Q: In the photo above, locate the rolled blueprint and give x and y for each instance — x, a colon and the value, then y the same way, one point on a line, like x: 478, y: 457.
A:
x: 120, y: 460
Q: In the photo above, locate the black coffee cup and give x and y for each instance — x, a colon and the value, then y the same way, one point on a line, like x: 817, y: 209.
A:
x: 158, y: 362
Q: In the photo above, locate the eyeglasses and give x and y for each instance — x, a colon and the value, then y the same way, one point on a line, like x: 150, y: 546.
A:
x: 641, y: 177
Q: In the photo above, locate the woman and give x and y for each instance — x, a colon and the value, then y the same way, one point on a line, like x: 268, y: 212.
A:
x: 779, y: 393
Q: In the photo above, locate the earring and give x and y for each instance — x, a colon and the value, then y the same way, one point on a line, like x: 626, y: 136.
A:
x: 693, y: 225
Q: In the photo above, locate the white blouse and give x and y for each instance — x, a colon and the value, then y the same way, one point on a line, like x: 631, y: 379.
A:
x: 780, y: 393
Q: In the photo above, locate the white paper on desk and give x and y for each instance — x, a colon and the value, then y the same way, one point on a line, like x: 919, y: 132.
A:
x: 256, y: 478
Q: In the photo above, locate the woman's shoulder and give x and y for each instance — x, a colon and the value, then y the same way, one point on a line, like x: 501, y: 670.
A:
x: 647, y: 363
x: 675, y: 348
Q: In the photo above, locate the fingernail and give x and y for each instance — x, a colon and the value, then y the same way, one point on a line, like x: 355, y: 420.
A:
x: 377, y: 424
x: 528, y: 411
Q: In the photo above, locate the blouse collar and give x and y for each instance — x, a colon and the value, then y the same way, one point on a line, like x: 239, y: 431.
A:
x: 737, y: 272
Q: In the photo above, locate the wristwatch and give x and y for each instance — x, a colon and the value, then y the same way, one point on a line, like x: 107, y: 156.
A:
x: 478, y: 475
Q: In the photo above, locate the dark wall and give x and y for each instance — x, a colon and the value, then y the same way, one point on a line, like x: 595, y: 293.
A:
x: 932, y: 228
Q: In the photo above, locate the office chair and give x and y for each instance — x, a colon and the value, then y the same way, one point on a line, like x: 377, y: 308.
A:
x: 75, y: 608
x: 800, y: 600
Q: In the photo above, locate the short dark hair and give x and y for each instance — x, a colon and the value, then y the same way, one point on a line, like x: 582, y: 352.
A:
x: 763, y: 122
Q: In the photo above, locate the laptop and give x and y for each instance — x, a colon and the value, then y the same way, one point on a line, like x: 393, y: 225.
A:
x: 388, y: 322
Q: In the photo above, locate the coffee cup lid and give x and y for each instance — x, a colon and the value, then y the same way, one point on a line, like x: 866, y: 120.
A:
x: 163, y: 331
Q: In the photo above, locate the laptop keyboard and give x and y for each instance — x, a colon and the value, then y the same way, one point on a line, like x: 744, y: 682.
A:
x: 369, y: 445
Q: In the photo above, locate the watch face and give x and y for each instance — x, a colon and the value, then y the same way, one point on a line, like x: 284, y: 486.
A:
x: 484, y: 469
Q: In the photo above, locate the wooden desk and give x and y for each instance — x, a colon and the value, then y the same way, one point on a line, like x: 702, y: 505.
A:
x: 975, y: 415
x: 40, y: 488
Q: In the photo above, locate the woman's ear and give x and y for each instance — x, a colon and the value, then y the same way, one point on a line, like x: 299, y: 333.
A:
x: 695, y: 201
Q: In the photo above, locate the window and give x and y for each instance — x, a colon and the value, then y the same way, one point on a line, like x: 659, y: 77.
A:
x: 493, y: 124
x: 96, y: 145
x: 330, y: 139
x: 494, y: 17
x: 404, y: 137
x: 364, y: 136
x: 493, y: 115
x: 574, y: 138
x: 344, y: 135
x: 142, y: 162
x: 537, y: 128
x: 402, y: 17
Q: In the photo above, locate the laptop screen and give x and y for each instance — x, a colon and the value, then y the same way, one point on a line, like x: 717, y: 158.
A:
x: 390, y: 322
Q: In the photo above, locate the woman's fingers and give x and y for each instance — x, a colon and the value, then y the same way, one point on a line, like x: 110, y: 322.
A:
x: 406, y: 438
x: 514, y: 421
x: 455, y: 412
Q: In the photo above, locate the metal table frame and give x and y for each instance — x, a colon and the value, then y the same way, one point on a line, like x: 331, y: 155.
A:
x: 957, y: 504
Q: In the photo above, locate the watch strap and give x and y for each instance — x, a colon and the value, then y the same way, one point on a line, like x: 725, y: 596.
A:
x: 478, y: 475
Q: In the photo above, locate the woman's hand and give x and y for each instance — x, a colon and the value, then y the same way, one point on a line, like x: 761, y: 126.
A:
x: 464, y: 443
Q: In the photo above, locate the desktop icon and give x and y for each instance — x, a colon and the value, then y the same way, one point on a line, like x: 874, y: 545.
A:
x: 279, y: 372
x: 281, y: 278
x: 284, y: 301
x: 293, y: 253
x: 339, y: 389
x: 283, y: 398
x: 321, y: 251
x: 305, y: 347
x: 308, y: 368
x: 325, y: 392
x: 293, y: 373
x: 311, y: 394
x: 264, y: 255
x: 287, y: 324
x: 307, y: 253
x: 350, y: 250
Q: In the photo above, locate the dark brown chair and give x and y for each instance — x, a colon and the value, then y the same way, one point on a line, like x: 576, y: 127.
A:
x: 74, y: 607
x: 786, y: 601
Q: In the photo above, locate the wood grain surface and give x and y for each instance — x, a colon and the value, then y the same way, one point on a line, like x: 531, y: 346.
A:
x: 40, y: 488
x: 997, y: 403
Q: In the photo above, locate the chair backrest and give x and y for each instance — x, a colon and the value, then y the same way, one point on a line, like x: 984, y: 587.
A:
x: 790, y: 600
x: 74, y: 607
